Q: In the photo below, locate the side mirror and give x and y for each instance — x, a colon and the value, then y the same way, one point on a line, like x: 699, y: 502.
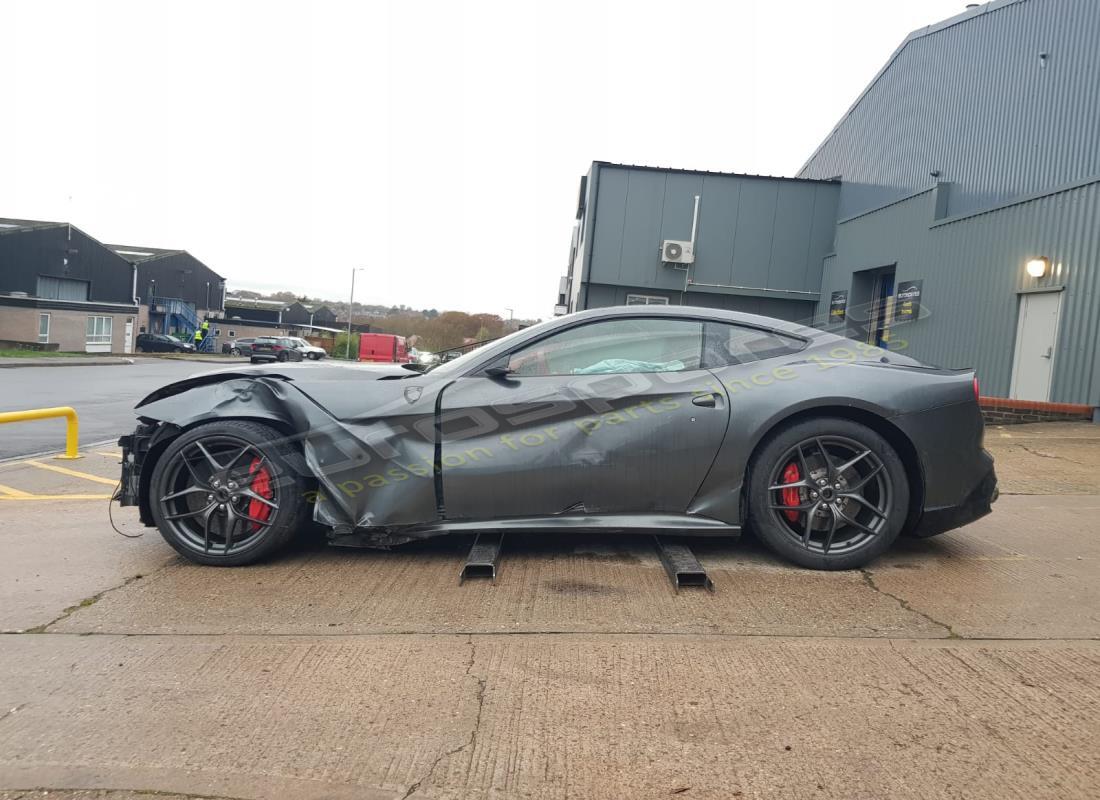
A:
x: 499, y: 368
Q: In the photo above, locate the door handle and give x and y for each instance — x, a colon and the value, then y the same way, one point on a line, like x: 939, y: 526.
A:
x: 1048, y: 353
x: 704, y: 400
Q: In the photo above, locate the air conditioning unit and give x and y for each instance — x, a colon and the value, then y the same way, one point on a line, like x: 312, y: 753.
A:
x: 674, y: 251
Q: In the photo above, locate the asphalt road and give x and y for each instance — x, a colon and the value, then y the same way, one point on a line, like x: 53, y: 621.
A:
x: 104, y: 398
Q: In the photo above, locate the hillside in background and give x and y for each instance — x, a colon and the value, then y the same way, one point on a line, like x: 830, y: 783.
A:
x: 434, y: 329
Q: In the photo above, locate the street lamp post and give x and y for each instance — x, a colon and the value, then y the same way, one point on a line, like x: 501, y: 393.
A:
x: 351, y: 307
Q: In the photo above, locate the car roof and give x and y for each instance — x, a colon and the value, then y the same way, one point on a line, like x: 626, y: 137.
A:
x: 695, y: 312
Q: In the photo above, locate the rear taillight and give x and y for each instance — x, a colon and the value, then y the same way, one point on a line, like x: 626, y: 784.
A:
x: 276, y: 347
x: 977, y: 391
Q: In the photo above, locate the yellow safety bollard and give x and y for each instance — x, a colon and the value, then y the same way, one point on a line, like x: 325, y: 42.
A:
x: 72, y: 426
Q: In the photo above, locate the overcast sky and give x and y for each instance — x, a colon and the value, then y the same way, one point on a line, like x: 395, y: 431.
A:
x: 437, y: 144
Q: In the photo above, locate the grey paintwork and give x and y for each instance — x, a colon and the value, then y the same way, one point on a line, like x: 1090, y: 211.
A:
x: 400, y: 455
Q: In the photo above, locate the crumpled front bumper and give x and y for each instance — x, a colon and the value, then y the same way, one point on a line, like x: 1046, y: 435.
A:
x: 976, y: 505
x: 135, y: 446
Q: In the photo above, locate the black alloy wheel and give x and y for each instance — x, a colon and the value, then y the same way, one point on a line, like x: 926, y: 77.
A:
x: 828, y: 494
x: 223, y: 493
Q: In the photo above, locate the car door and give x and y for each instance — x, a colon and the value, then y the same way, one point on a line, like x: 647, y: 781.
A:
x: 610, y: 416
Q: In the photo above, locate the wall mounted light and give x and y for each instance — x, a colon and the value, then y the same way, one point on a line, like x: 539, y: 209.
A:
x: 1037, y: 267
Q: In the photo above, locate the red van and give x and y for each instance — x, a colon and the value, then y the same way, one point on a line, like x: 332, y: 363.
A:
x: 383, y: 348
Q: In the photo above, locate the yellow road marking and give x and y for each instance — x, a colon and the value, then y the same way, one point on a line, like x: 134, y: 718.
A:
x: 13, y: 493
x: 73, y: 473
x: 116, y: 454
x: 28, y: 497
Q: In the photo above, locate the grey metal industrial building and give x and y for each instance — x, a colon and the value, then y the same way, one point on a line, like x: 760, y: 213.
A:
x: 953, y: 212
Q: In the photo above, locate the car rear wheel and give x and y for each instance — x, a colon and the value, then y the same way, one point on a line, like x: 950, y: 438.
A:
x: 284, y: 356
x: 234, y: 351
x: 828, y: 493
x: 224, y: 493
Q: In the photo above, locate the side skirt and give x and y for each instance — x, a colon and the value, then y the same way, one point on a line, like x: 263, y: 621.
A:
x: 664, y: 524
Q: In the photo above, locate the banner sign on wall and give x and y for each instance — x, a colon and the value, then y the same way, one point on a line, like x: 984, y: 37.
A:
x: 838, y: 306
x: 907, y: 301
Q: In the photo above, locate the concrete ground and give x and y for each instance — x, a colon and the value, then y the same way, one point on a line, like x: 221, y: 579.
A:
x: 963, y: 666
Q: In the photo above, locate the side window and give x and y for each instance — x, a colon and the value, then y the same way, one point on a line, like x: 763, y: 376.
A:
x: 727, y: 344
x: 614, y: 346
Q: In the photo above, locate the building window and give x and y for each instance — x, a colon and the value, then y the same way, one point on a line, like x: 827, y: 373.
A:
x: 61, y: 288
x: 646, y: 300
x: 43, y: 328
x: 232, y: 334
x: 99, y: 330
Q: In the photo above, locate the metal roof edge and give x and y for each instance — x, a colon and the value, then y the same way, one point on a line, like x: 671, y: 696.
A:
x: 920, y: 33
x: 1018, y: 201
x: 876, y: 209
x: 705, y: 172
x: 163, y: 253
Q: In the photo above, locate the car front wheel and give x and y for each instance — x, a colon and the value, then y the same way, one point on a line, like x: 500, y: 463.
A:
x: 224, y: 493
x: 828, y: 493
x: 236, y: 351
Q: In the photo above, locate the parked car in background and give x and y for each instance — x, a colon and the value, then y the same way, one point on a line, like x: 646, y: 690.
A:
x: 275, y: 348
x: 159, y: 343
x: 237, y: 347
x: 308, y: 350
x: 383, y: 348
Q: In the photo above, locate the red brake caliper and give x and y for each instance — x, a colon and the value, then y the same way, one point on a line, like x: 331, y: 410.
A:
x: 261, y: 485
x: 790, y: 496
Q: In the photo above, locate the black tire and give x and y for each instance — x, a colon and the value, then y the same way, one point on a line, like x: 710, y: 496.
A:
x: 235, y: 351
x: 139, y: 349
x: 283, y: 356
x: 223, y: 515
x: 823, y: 525
x: 254, y: 360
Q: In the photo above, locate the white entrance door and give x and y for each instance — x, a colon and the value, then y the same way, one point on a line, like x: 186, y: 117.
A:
x: 128, y: 342
x: 1036, y: 340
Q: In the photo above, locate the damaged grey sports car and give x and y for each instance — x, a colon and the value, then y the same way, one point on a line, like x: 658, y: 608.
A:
x: 671, y: 420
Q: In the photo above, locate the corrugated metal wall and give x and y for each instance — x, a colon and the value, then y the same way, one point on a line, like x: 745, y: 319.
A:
x: 766, y: 233
x: 601, y: 295
x: 973, y: 269
x: 973, y: 100
x: 63, y: 253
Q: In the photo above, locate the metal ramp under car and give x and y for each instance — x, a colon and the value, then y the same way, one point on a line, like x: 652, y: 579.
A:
x: 483, y: 557
x: 683, y: 568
